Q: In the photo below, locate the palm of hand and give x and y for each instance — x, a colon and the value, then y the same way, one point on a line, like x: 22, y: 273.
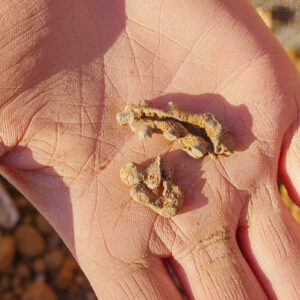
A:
x: 68, y: 156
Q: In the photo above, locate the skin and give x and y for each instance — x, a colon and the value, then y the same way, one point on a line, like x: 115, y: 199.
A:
x: 68, y: 67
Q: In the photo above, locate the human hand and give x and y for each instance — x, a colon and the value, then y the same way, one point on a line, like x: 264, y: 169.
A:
x: 69, y: 67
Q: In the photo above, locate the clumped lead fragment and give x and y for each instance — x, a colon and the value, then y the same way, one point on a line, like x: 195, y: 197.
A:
x: 196, y: 134
x: 146, y: 182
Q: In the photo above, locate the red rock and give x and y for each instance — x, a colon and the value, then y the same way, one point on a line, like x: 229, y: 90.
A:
x: 65, y: 276
x: 54, y: 259
x: 23, y: 271
x: 8, y: 296
x: 30, y: 242
x: 43, y: 225
x: 5, y: 282
x: 27, y: 219
x: 81, y: 281
x: 91, y: 296
x: 7, y: 252
x: 39, y: 265
x: 53, y: 241
x: 39, y: 291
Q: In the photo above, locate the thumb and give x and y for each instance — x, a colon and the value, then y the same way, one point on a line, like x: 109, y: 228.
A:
x: 289, y: 164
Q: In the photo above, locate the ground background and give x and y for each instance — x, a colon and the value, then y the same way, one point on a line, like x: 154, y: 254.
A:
x: 288, y: 29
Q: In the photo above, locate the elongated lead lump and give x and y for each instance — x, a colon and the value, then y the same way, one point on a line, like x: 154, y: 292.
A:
x: 196, y: 134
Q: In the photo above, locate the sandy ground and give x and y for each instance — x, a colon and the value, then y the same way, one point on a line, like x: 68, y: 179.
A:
x: 287, y: 13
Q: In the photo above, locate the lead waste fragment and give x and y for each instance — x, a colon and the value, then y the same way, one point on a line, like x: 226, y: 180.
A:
x: 196, y: 134
x: 146, y: 183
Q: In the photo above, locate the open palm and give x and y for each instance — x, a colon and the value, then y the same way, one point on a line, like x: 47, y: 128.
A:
x: 68, y: 67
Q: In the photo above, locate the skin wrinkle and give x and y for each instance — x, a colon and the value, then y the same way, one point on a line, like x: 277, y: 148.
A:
x: 203, y: 285
x: 129, y: 288
x: 237, y: 73
x: 240, y: 293
x: 120, y: 282
x: 162, y: 35
x: 241, y: 290
x: 177, y: 236
x: 116, y: 48
x: 114, y: 208
x: 153, y: 74
x: 30, y: 121
x: 56, y: 143
x: 31, y: 18
x: 117, y: 272
x: 80, y: 100
x: 295, y: 290
x: 228, y: 291
x: 135, y: 61
x: 153, y: 235
x: 265, y: 148
x: 225, y: 175
x: 184, y: 235
x: 139, y: 287
x: 80, y: 197
x: 37, y: 141
x: 142, y: 286
x: 213, y: 284
x: 19, y: 39
x: 159, y: 38
x: 105, y: 244
x: 196, y: 267
x: 270, y: 192
x: 219, y: 236
x: 171, y: 248
x: 278, y: 251
x: 276, y: 236
x: 120, y: 276
x: 72, y: 123
x: 115, y: 88
x: 146, y: 287
x: 155, y: 290
x: 184, y: 59
x: 123, y: 208
x: 94, y: 213
x: 109, y: 187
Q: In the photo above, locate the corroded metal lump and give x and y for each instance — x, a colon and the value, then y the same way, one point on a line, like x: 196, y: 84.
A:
x: 196, y: 134
x: 146, y: 182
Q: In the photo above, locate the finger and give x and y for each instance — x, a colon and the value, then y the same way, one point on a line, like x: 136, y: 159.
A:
x: 138, y: 280
x: 215, y: 269
x: 271, y: 244
x: 289, y: 164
